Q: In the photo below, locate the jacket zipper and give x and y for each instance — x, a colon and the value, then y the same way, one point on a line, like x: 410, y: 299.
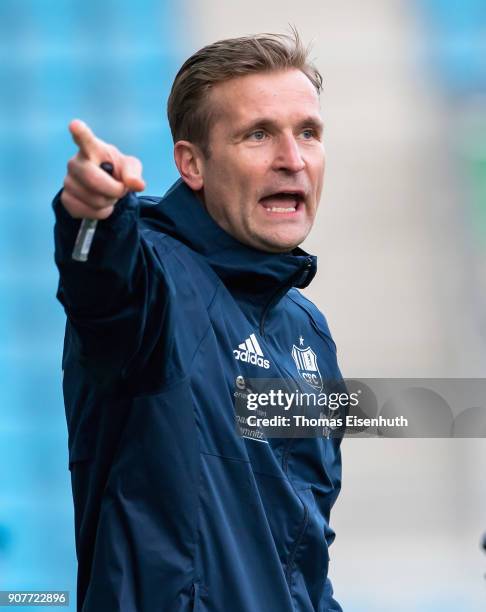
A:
x: 291, y: 559
x: 305, y: 520
x: 194, y: 596
x: 282, y: 290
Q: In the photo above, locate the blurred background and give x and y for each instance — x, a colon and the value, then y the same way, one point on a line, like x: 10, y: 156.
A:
x: 401, y: 240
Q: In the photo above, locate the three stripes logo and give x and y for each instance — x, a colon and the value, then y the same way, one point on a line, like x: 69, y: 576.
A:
x: 250, y: 351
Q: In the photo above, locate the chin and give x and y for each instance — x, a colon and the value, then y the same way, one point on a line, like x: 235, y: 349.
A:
x: 281, y: 244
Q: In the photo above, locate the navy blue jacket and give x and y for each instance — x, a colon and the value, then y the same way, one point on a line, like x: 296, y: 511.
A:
x: 174, y: 511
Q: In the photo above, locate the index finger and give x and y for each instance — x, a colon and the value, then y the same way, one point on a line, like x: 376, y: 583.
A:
x: 85, y: 139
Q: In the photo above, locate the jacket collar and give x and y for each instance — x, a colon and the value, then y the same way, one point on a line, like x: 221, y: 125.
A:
x: 267, y: 276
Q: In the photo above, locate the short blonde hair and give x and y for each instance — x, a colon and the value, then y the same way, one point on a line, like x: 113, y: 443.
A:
x: 190, y: 115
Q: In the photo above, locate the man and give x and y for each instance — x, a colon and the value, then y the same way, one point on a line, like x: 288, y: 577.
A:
x: 182, y: 300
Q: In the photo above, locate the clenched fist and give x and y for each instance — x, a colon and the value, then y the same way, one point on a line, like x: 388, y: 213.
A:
x: 90, y: 192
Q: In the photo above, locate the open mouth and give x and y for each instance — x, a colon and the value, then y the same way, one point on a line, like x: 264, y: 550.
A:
x: 283, y: 202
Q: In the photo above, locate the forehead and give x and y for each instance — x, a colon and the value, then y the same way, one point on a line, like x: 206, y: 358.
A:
x: 278, y: 94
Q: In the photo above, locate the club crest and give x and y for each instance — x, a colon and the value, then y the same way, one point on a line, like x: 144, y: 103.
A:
x: 306, y: 363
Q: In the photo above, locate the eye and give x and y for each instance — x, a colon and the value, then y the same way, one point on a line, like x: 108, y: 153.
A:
x: 257, y: 135
x: 308, y: 133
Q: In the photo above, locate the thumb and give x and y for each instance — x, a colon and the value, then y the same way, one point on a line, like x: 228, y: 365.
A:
x: 131, y: 173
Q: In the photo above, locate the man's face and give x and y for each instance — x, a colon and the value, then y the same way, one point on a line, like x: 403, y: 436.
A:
x: 263, y: 178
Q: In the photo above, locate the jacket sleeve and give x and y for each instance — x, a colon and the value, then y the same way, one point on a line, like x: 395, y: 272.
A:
x: 107, y: 298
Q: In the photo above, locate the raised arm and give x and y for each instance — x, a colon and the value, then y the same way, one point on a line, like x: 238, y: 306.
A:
x: 106, y: 298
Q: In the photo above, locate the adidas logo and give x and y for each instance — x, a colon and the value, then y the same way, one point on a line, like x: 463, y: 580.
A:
x: 250, y: 351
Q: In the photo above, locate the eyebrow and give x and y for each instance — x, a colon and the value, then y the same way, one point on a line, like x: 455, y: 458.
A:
x: 269, y: 123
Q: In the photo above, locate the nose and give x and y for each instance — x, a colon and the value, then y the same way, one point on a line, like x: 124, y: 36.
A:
x: 288, y: 156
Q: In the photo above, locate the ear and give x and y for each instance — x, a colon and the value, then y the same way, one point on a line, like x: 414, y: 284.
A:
x: 189, y: 161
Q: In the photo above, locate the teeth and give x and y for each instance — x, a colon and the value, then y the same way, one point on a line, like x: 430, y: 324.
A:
x: 281, y: 210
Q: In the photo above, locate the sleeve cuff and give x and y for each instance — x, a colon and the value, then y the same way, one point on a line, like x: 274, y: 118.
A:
x: 118, y: 225
x: 129, y: 201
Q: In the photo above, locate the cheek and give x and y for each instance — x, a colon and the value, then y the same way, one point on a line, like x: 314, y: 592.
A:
x: 239, y: 174
x: 254, y: 161
x: 318, y: 171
